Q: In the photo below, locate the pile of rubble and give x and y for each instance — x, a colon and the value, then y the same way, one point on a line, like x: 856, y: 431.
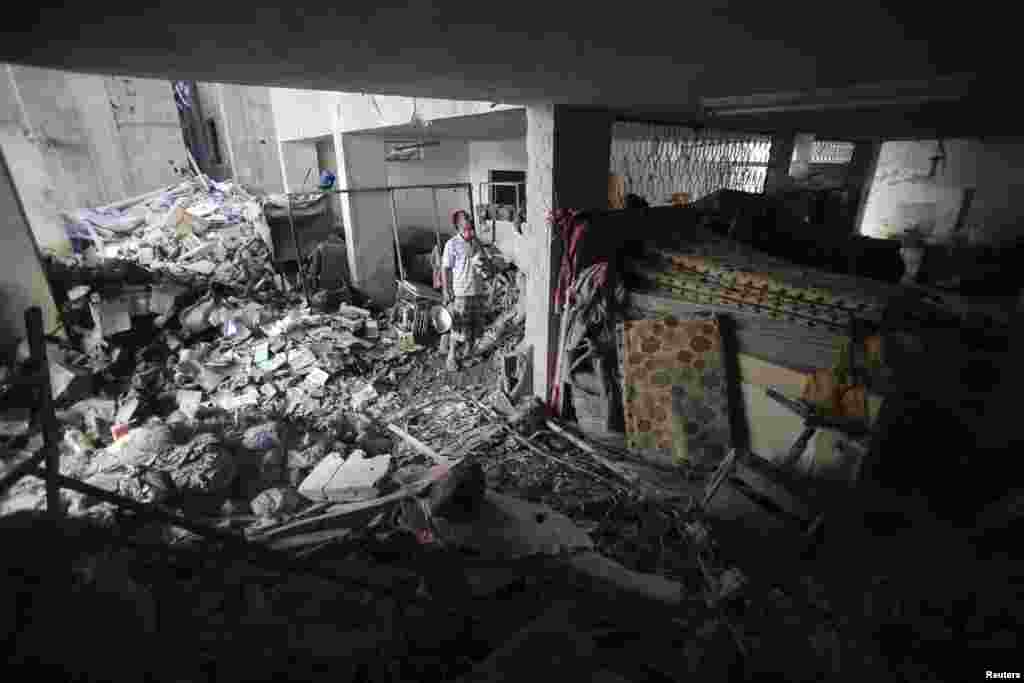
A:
x: 180, y: 337
x: 199, y: 232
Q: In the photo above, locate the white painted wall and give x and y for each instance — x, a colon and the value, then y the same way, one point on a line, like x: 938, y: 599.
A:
x: 300, y: 114
x: 78, y: 140
x: 298, y: 158
x: 497, y: 155
x: 901, y: 191
x: 494, y: 155
x: 327, y: 159
x: 251, y: 135
x: 367, y: 216
x: 446, y: 163
x: 305, y: 115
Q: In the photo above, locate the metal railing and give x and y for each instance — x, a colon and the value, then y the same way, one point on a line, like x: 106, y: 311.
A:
x: 390, y: 189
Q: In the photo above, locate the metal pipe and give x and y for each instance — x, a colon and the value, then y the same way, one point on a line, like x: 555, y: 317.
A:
x: 47, y: 418
x: 253, y: 551
x: 388, y: 188
x: 148, y: 510
x: 437, y: 219
x: 394, y: 228
x: 298, y: 252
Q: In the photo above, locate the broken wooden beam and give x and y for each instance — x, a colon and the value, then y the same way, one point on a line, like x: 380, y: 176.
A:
x: 418, y: 445
x: 592, y: 452
x: 533, y: 448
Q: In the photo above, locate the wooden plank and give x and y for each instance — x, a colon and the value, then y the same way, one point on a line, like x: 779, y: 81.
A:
x: 761, y: 373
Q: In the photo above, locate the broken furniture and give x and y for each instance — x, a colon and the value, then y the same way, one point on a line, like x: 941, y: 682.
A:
x: 815, y: 419
x: 780, y: 486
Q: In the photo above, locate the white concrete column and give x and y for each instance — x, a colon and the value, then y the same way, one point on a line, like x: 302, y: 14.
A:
x: 803, y: 153
x: 863, y: 168
x: 537, y: 257
x: 568, y: 156
x: 367, y: 216
x: 780, y: 158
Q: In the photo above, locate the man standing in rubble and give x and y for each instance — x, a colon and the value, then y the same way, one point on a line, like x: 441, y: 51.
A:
x: 463, y: 287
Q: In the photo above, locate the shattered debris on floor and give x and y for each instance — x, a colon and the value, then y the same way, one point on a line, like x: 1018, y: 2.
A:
x: 358, y: 502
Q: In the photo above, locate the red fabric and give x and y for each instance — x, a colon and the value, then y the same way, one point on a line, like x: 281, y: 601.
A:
x: 570, y: 230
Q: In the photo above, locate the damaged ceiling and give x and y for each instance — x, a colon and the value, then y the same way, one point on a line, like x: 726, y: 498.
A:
x: 652, y: 61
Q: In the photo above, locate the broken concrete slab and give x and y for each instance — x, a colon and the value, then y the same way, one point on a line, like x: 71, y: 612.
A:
x: 345, y: 480
x: 510, y: 527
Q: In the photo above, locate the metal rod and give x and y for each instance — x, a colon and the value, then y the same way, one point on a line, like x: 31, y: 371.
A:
x: 437, y: 218
x: 253, y: 551
x: 394, y: 228
x: 530, y: 446
x: 47, y: 418
x: 149, y: 510
x: 298, y: 252
x: 388, y: 188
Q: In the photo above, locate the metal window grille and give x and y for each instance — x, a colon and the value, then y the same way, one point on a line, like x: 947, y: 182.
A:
x: 657, y: 161
x: 831, y: 152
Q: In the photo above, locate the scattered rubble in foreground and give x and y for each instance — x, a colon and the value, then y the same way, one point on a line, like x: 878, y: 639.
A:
x: 389, y: 518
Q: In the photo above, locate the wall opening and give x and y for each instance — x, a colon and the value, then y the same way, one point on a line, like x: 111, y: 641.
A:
x: 506, y: 194
x: 658, y: 161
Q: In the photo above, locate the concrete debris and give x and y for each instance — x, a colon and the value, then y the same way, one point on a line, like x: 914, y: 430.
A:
x: 277, y: 502
x: 140, y: 484
x: 203, y: 465
x: 346, y: 480
x: 510, y: 528
x: 140, y: 446
x: 188, y: 402
x: 14, y: 422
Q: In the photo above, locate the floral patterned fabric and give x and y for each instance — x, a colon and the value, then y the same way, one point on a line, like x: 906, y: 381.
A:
x: 675, y: 388
x: 763, y: 285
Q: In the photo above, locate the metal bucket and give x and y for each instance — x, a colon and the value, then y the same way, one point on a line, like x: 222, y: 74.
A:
x: 441, y: 319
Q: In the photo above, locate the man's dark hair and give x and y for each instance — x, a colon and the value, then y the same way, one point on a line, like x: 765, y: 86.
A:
x: 462, y: 212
